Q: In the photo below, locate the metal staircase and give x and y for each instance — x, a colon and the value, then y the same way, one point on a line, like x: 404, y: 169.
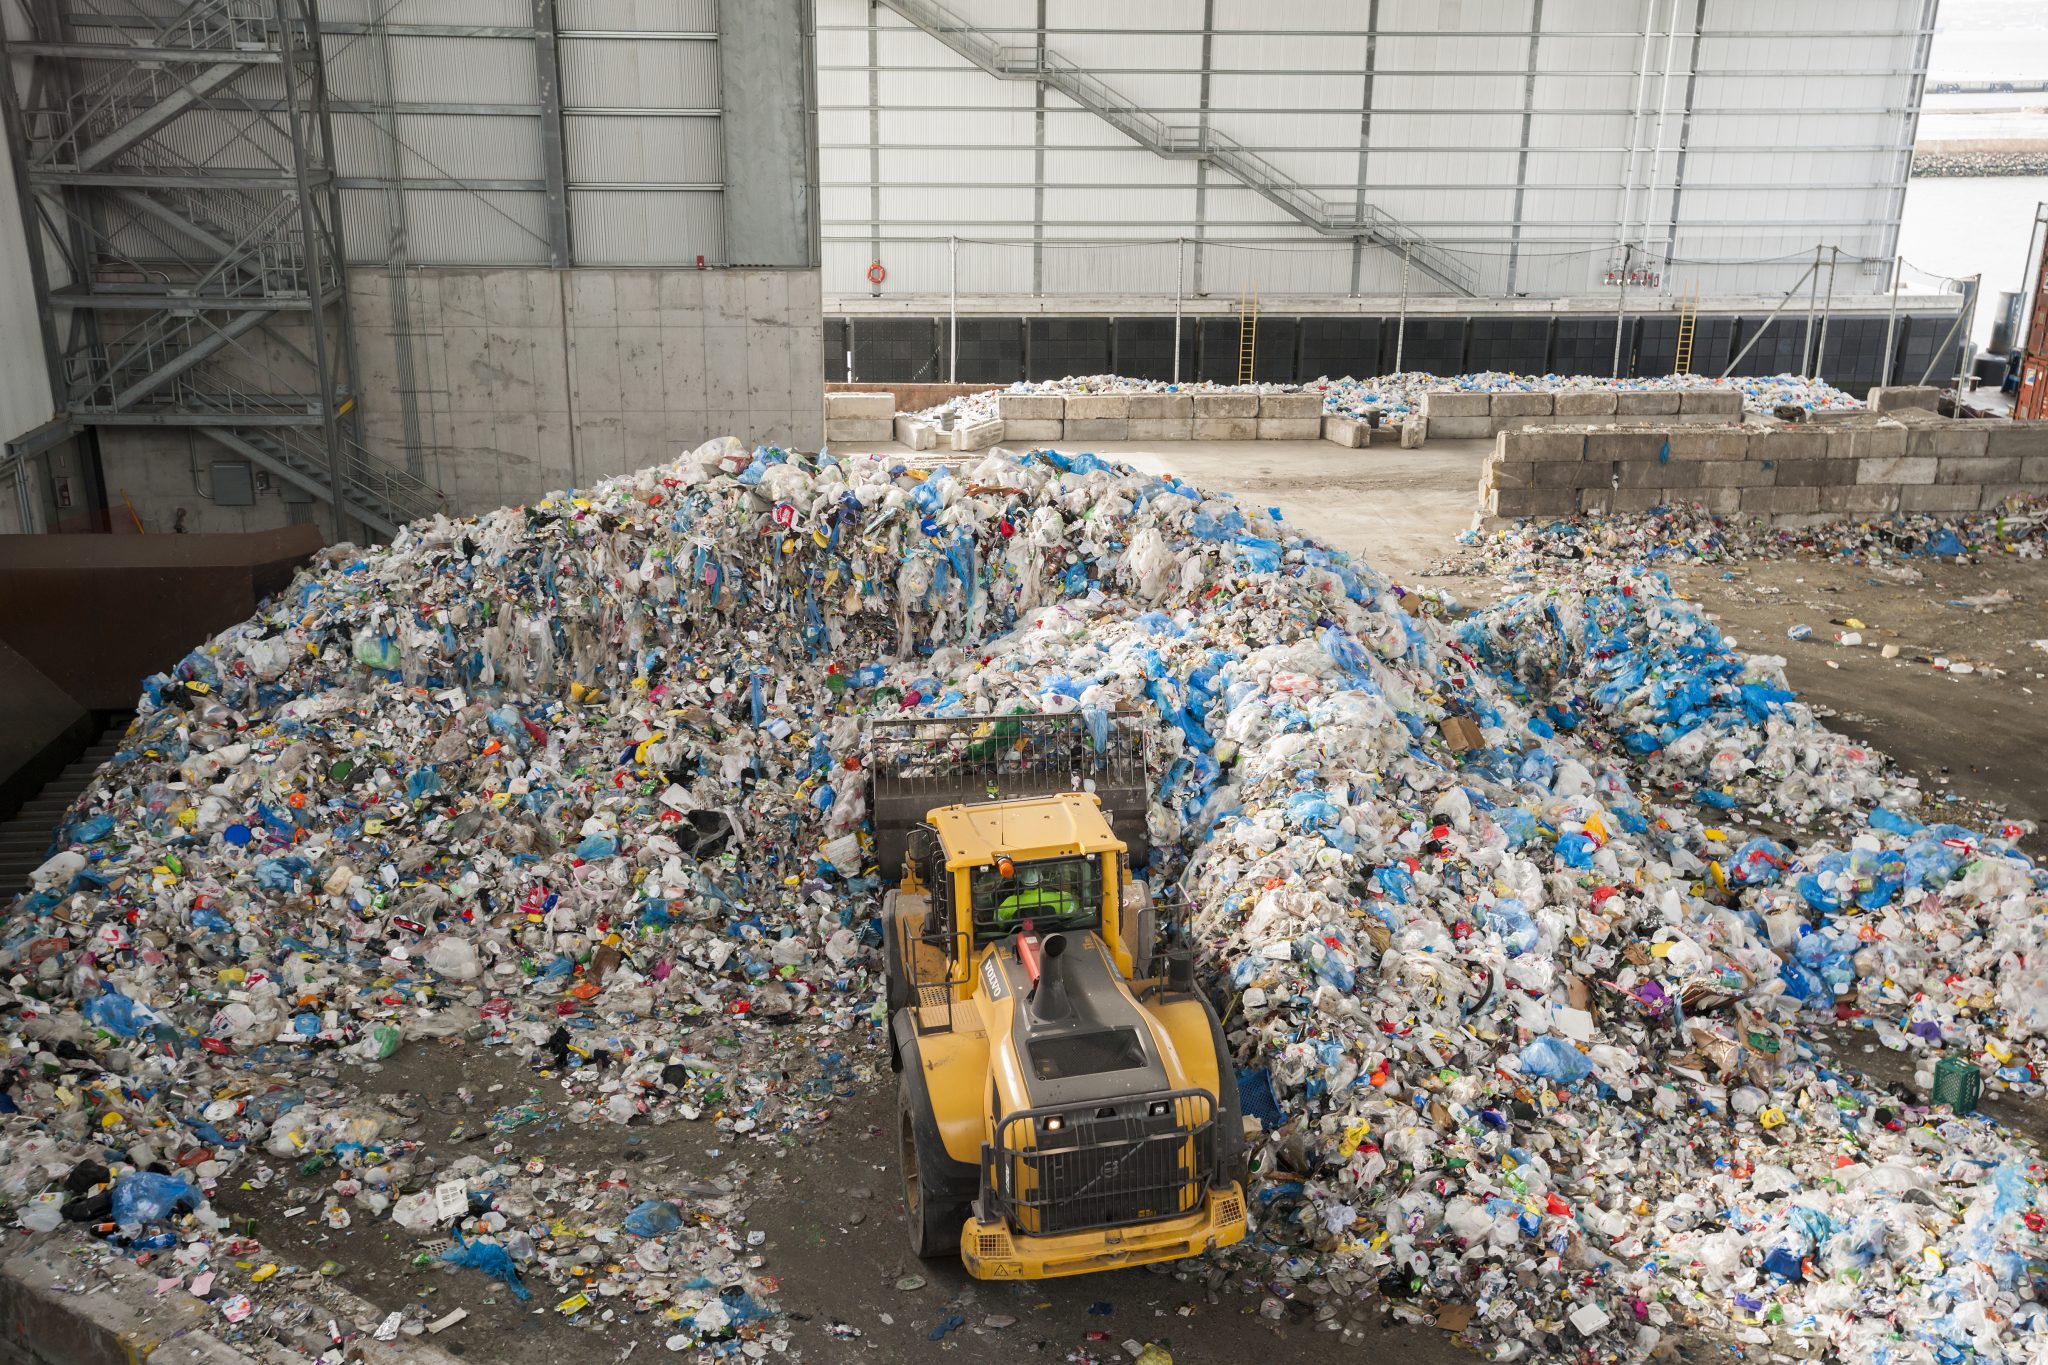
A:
x: 179, y: 250
x: 1183, y: 141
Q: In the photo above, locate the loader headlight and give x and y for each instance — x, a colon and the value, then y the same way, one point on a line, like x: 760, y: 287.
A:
x: 1158, y: 1109
x: 1054, y: 1124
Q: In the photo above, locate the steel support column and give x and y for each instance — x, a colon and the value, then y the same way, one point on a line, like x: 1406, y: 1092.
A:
x: 547, y: 67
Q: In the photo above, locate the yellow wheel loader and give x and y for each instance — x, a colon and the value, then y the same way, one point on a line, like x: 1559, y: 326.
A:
x: 1065, y: 1100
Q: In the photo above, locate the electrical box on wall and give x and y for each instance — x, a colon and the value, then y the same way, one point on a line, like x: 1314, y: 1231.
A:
x: 233, y: 485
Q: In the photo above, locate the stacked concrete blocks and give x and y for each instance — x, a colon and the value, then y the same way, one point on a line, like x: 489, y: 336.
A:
x: 1454, y: 415
x: 859, y: 418
x: 978, y: 435
x: 1162, y: 416
x: 1348, y: 432
x: 1226, y: 417
x: 1290, y: 416
x: 1782, y: 474
x: 1029, y: 418
x: 1098, y: 417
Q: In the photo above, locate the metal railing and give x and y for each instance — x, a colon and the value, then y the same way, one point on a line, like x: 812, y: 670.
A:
x: 1183, y: 141
x: 1104, y: 1166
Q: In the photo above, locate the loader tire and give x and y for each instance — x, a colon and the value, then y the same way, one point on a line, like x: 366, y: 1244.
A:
x: 895, y: 984
x: 1230, y: 1157
x: 938, y: 1191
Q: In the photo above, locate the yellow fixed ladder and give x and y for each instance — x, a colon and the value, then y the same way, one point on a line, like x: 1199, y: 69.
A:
x: 1688, y: 323
x: 1247, y: 335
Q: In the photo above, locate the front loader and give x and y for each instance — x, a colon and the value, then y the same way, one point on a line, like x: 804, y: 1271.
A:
x: 1065, y: 1099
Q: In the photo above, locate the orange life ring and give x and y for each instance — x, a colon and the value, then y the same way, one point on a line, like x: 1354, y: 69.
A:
x: 876, y: 274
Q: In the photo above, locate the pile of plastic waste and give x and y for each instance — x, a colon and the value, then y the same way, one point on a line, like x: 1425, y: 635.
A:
x: 1393, y: 396
x: 1521, y: 1006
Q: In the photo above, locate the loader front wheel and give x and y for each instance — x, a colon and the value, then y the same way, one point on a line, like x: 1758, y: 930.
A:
x: 937, y: 1190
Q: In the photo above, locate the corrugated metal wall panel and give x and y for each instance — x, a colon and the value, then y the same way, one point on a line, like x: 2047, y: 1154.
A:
x: 427, y: 11
x: 642, y: 227
x: 625, y: 73
x: 658, y: 150
x: 472, y: 70
x: 464, y: 227
x: 659, y: 16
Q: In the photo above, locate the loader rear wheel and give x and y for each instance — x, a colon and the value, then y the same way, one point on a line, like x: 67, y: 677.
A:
x: 937, y: 1190
x: 895, y: 983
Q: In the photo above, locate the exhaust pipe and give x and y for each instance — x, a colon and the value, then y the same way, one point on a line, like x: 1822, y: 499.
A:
x: 1049, y: 1002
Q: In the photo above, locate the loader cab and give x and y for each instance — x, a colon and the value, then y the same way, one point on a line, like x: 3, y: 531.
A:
x: 989, y: 870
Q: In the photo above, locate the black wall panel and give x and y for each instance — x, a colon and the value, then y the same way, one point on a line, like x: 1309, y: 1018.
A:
x: 1057, y: 347
x: 1656, y: 345
x: 991, y: 350
x: 1334, y: 347
x: 1435, y: 345
x: 1582, y: 346
x: 835, y: 350
x: 1777, y: 349
x: 1216, y: 360
x: 897, y: 350
x: 1142, y: 348
x: 1520, y: 345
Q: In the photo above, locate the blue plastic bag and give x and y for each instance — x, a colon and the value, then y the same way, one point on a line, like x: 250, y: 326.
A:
x: 490, y: 1258
x: 652, y: 1218
x: 146, y: 1197
x: 1555, y: 1060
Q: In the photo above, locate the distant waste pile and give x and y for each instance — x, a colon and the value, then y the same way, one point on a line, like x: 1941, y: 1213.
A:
x: 1393, y: 396
x: 1518, y: 986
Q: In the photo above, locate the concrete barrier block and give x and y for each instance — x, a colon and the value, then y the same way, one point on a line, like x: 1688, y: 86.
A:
x: 1033, y: 429
x: 1995, y: 494
x: 1860, y: 499
x: 859, y: 430
x: 1898, y: 469
x: 1290, y: 428
x: 1941, y: 497
x: 1777, y: 500
x: 915, y: 434
x: 1814, y: 473
x: 1869, y: 443
x: 1226, y: 405
x: 860, y: 405
x: 1737, y: 474
x: 1502, y: 475
x: 1459, y: 428
x: 979, y: 436
x: 1571, y: 474
x: 1622, y: 444
x: 1414, y: 432
x: 1636, y: 499
x: 1645, y: 402
x: 1099, y: 407
x: 1947, y: 440
x: 1523, y: 404
x: 2034, y: 469
x: 1096, y: 428
x: 1891, y: 398
x: 1536, y: 502
x: 1789, y: 443
x: 1710, y: 402
x: 1543, y: 445
x: 1348, y: 432
x: 1154, y: 407
x: 1162, y: 428
x: 1655, y: 474
x: 1709, y: 443
x: 1223, y: 428
x: 1584, y: 403
x: 1031, y: 407
x: 2017, y: 438
x: 1453, y: 403
x: 1974, y: 469
x: 1290, y: 406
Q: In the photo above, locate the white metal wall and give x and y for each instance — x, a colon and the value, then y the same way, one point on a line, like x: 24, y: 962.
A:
x: 1720, y: 141
x: 444, y: 98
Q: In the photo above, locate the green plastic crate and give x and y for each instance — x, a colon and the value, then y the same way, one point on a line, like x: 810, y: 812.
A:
x: 1957, y: 1084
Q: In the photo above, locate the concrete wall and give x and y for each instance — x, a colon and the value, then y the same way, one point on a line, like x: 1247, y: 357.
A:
x: 1861, y: 467
x: 532, y: 380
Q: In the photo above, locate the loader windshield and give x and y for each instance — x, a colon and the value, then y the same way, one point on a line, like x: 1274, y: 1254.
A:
x: 1053, y: 893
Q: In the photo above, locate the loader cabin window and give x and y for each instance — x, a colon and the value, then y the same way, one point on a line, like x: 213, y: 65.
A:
x: 1052, y: 893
